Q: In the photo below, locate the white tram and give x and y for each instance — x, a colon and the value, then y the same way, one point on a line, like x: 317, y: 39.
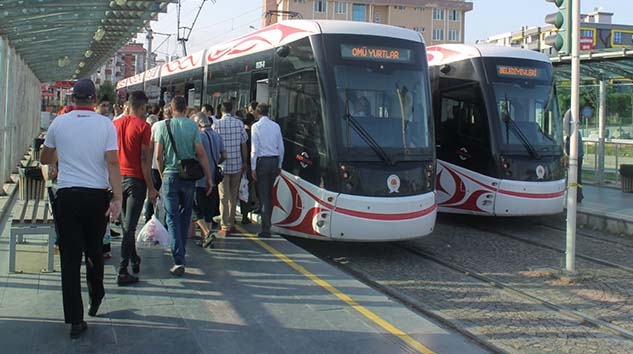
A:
x: 498, y: 131
x: 354, y: 105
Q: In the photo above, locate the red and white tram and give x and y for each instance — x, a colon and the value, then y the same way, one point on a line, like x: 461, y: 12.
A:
x: 498, y: 131
x: 354, y: 105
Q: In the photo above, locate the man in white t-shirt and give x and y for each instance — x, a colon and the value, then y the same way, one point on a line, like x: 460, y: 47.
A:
x: 85, y: 143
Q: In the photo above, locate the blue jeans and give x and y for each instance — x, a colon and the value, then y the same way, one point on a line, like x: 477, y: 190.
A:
x: 178, y: 199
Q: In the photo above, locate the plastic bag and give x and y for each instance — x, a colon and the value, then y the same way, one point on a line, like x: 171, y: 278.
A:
x: 153, y: 233
x: 244, y: 189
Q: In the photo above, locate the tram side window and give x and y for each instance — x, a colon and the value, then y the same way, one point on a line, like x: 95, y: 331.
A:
x: 463, y: 113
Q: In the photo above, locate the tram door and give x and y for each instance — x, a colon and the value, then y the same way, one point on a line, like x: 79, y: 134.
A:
x: 464, y: 134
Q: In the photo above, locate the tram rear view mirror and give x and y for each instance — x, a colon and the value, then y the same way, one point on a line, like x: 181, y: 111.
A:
x: 445, y: 69
x: 283, y: 51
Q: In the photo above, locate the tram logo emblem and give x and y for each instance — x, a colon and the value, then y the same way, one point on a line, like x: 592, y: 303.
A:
x: 540, y: 172
x: 393, y: 184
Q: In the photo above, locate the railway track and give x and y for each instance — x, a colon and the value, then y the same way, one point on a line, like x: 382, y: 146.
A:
x: 561, y: 309
x: 558, y: 249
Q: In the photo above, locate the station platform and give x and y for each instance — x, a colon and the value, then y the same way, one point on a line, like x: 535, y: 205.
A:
x: 606, y: 209
x: 246, y: 295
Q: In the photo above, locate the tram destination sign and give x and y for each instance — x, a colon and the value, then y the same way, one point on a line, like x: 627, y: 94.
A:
x: 509, y: 71
x: 382, y: 54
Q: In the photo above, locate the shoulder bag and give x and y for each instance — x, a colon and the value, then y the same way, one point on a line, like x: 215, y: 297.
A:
x: 219, y: 174
x: 188, y: 169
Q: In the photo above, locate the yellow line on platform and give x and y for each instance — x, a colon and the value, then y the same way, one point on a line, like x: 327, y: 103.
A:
x: 345, y: 298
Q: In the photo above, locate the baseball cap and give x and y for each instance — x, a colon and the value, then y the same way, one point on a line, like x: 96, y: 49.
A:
x: 84, y: 88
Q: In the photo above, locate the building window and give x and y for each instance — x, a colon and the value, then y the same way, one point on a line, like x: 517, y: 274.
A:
x: 320, y: 5
x: 377, y: 19
x: 340, y: 7
x: 419, y: 29
x: 359, y: 12
x: 586, y: 33
x: 453, y: 35
x: 418, y: 9
x: 617, y: 37
x: 453, y: 15
x: 438, y: 34
x: 438, y: 14
x: 299, y: 1
x: 399, y: 7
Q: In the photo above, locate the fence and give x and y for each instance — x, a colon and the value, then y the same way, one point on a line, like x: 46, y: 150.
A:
x: 617, y: 152
x: 20, y: 98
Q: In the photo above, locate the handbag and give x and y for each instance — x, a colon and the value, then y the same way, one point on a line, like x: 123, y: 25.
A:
x: 219, y: 174
x: 188, y: 169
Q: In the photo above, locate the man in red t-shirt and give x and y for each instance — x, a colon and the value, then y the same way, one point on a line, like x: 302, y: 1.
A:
x: 133, y: 134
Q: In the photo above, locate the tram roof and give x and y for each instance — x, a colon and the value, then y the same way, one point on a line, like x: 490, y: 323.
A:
x: 607, y: 64
x: 62, y: 39
x: 269, y: 37
x: 449, y: 53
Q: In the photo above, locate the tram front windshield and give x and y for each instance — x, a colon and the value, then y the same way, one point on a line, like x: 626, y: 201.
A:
x: 527, y: 107
x: 382, y: 91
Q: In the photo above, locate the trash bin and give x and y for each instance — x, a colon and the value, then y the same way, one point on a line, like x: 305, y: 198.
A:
x: 31, y: 184
x: 626, y: 176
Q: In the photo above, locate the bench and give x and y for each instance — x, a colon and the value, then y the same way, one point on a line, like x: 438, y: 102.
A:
x: 32, y: 217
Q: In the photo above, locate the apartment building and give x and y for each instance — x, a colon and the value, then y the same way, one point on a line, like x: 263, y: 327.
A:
x: 128, y: 61
x: 596, y: 32
x: 439, y: 21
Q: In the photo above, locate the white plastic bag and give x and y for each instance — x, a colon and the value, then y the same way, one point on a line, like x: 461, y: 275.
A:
x: 153, y: 233
x: 244, y: 189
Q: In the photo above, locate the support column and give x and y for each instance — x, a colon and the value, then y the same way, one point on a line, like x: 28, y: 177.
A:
x: 601, y: 138
x: 6, y: 103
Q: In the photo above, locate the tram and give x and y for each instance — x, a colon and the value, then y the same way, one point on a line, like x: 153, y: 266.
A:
x: 354, y: 104
x: 499, y: 137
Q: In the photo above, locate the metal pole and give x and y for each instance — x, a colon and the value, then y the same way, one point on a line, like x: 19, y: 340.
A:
x: 603, y: 113
x: 149, y: 62
x: 570, y: 252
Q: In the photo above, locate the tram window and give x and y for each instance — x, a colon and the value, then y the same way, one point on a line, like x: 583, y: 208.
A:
x: 299, y: 109
x: 462, y: 112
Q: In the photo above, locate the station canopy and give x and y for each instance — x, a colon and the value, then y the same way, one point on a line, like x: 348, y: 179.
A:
x: 607, y: 64
x: 64, y: 39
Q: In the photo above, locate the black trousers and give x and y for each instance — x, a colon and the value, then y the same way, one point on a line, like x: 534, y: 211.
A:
x: 81, y: 222
x: 134, y: 191
x: 266, y: 171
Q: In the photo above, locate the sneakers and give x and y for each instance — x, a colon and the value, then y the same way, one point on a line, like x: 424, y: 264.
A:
x: 114, y: 234
x: 177, y: 270
x: 246, y: 220
x: 77, y: 329
x: 107, y: 255
x: 264, y: 235
x: 208, y: 241
x: 223, y: 233
x: 126, y: 279
x: 136, y: 266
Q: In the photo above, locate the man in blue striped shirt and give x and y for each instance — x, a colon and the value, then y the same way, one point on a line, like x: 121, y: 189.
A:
x: 234, y: 138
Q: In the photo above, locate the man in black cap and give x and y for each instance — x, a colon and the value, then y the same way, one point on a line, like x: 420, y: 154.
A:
x: 85, y: 143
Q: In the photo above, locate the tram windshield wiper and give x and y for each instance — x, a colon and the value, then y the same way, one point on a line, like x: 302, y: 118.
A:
x: 362, y: 132
x: 511, y: 124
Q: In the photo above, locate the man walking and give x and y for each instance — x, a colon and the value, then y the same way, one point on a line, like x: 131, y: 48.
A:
x: 133, y: 135
x: 85, y: 144
x: 234, y: 138
x: 178, y: 192
x: 267, y: 153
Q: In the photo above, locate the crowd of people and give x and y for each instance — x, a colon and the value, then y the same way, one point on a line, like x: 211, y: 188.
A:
x: 111, y: 167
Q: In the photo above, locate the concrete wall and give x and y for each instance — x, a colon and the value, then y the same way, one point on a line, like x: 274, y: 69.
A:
x: 20, y: 100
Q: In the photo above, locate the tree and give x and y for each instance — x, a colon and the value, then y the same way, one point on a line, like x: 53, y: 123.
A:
x: 107, y: 89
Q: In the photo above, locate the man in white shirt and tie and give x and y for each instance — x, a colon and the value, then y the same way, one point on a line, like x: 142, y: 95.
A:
x: 267, y: 153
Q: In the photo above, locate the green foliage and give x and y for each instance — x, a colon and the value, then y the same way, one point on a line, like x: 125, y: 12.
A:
x: 107, y: 89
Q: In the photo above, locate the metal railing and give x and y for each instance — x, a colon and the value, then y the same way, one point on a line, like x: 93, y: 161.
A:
x: 616, y: 151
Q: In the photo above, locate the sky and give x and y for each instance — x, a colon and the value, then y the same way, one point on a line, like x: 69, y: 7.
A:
x: 221, y: 21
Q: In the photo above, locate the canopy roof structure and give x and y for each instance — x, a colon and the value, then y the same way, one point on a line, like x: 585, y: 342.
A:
x: 64, y: 39
x: 608, y: 64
